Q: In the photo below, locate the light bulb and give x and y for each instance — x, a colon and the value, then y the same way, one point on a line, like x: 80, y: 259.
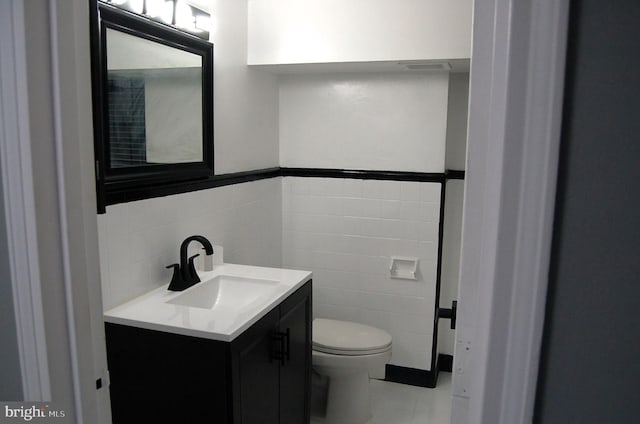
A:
x: 184, y: 17
x: 160, y: 9
x: 136, y: 6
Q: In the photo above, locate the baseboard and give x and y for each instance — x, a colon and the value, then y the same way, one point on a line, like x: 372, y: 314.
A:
x: 445, y: 362
x: 411, y: 376
x: 417, y: 377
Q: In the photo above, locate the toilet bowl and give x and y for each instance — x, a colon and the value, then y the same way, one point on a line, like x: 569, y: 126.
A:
x: 345, y: 352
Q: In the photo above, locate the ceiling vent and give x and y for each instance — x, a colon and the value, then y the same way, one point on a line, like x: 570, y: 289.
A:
x: 426, y: 66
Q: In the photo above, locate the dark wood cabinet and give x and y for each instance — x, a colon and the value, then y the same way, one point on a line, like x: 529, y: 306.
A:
x: 295, y: 322
x: 261, y: 377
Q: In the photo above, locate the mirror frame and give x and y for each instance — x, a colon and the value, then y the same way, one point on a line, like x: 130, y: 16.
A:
x: 115, y: 185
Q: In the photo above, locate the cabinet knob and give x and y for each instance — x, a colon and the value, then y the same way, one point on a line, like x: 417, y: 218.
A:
x: 288, y: 344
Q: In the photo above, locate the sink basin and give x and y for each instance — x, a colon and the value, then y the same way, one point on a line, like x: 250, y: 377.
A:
x: 226, y: 290
x: 230, y: 299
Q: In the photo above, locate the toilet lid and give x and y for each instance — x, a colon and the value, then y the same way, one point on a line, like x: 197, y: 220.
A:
x: 348, y: 338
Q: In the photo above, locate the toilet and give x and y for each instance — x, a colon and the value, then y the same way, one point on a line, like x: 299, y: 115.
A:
x: 346, y: 352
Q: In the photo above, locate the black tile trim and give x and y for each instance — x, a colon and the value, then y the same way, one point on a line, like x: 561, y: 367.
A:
x: 417, y: 377
x: 411, y: 376
x: 130, y: 194
x: 445, y: 362
x: 434, y: 344
x: 433, y: 177
x: 116, y: 193
x: 453, y: 174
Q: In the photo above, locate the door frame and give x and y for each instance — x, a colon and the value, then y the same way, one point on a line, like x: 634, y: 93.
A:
x: 17, y: 181
x: 515, y: 114
x: 50, y: 205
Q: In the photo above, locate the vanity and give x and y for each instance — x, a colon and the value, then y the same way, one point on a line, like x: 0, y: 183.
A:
x: 234, y: 348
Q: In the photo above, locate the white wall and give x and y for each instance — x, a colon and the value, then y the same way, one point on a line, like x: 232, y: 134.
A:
x: 310, y: 31
x: 139, y: 239
x: 457, y: 117
x: 388, y: 121
x: 450, y: 275
x: 245, y: 100
x: 455, y: 158
x: 345, y: 231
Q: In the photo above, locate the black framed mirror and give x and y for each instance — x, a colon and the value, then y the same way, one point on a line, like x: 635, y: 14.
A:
x: 153, y: 105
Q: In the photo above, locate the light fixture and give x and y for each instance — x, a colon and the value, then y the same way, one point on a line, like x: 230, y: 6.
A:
x: 160, y: 9
x: 417, y: 65
x: 177, y: 13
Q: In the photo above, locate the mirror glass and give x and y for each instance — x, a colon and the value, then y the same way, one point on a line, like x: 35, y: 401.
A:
x: 154, y: 102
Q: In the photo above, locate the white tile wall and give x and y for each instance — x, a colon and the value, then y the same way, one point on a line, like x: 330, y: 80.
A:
x: 346, y: 231
x: 138, y: 239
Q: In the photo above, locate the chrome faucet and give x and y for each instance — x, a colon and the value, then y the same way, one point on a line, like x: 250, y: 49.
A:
x: 184, y: 274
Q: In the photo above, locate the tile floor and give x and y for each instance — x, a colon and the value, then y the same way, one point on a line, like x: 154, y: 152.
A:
x: 394, y: 403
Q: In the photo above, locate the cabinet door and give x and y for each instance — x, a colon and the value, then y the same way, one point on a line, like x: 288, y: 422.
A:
x: 255, y: 397
x: 159, y: 377
x: 295, y: 372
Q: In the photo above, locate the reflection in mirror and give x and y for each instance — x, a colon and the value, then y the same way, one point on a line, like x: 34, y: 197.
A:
x: 154, y: 102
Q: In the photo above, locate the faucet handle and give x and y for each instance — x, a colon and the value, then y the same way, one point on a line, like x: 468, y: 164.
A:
x: 176, y: 283
x: 192, y: 270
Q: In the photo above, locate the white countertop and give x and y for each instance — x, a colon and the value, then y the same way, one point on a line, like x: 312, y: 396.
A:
x: 154, y: 311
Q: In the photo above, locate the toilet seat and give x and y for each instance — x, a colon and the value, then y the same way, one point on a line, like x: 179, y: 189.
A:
x: 348, y: 338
